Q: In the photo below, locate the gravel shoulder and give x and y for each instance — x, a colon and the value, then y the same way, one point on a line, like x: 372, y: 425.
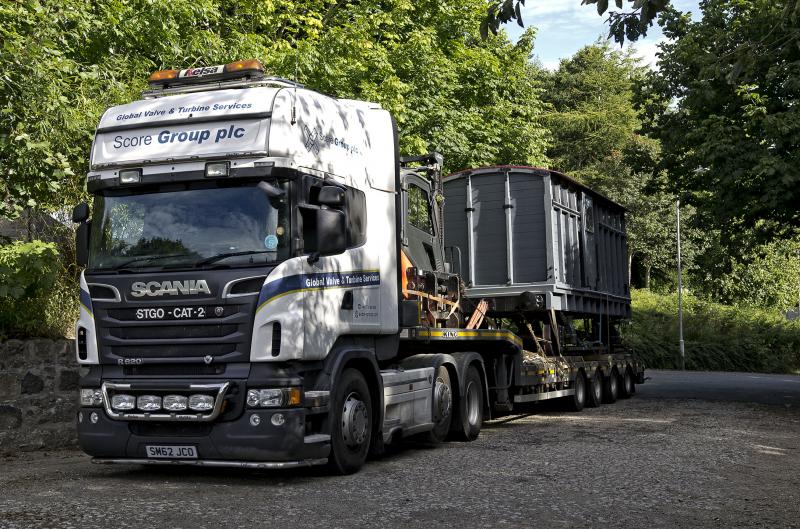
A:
x: 640, y: 462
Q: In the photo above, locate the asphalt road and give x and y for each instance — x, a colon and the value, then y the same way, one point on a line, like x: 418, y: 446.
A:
x: 780, y: 390
x: 661, y: 459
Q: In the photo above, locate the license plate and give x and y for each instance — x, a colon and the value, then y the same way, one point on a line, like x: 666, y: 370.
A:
x: 171, y: 452
x: 172, y: 313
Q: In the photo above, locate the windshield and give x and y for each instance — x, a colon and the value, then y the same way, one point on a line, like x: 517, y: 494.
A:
x: 190, y: 225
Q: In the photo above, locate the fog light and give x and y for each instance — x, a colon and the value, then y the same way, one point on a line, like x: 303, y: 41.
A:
x: 148, y: 402
x: 80, y: 416
x: 201, y: 402
x: 217, y: 169
x: 176, y: 402
x: 130, y: 176
x: 255, y: 419
x: 94, y: 417
x: 91, y: 397
x: 123, y: 402
x: 278, y: 419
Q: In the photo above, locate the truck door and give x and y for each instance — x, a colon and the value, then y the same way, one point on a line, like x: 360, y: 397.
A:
x: 420, y: 238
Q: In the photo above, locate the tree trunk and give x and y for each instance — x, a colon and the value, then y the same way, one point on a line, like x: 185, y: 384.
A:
x: 647, y: 276
x: 630, y: 265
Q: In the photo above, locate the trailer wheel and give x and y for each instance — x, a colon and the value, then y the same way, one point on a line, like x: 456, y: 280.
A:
x: 626, y: 388
x: 442, y: 406
x: 576, y: 401
x: 611, y: 387
x: 351, y: 423
x: 469, y: 420
x: 594, y: 396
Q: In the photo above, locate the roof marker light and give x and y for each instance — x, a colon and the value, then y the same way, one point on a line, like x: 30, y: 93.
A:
x: 130, y: 176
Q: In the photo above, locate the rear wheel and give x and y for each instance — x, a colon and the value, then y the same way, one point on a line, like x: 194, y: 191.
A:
x: 468, y: 422
x: 442, y: 406
x: 594, y: 393
x: 351, y: 423
x: 611, y: 387
x: 576, y: 401
x: 626, y: 388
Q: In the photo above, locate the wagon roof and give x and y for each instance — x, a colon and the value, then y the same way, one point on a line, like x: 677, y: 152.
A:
x: 532, y: 170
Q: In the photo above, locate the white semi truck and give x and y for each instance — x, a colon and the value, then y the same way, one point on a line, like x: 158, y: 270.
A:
x: 266, y: 286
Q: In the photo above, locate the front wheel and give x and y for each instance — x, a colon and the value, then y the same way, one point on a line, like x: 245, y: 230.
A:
x: 467, y: 425
x: 351, y: 423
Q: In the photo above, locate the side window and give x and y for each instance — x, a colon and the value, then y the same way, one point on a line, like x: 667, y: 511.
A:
x: 419, y: 209
x: 356, y: 209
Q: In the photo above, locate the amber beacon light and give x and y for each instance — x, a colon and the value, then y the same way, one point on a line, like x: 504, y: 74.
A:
x: 251, y: 68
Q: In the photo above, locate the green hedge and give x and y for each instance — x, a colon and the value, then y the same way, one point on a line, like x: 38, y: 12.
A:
x: 38, y: 294
x: 717, y: 337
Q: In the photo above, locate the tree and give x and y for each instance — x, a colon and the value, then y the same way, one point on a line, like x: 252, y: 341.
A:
x: 732, y: 141
x: 596, y: 97
x: 629, y: 25
x: 758, y: 274
x: 593, y: 114
x: 65, y: 61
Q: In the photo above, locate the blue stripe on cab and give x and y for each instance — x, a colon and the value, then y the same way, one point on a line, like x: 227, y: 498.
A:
x: 86, y: 301
x: 319, y: 281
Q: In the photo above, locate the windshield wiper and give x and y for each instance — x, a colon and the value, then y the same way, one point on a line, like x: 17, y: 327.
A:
x: 148, y: 258
x: 221, y: 256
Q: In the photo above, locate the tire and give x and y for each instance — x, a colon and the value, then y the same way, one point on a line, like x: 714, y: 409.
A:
x: 467, y: 423
x: 611, y: 387
x: 576, y: 401
x: 626, y: 387
x: 442, y: 406
x: 351, y: 423
x: 594, y: 393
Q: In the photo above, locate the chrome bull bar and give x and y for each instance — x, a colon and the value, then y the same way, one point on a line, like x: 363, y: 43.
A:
x: 221, y: 389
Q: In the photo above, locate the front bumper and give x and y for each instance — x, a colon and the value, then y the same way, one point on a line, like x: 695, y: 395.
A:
x: 236, y: 442
x: 213, y: 463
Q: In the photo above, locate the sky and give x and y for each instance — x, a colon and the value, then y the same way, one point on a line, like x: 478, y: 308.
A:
x: 565, y: 26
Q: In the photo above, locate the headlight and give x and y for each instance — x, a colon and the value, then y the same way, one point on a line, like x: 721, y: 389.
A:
x: 91, y: 397
x: 273, y: 398
x: 123, y: 402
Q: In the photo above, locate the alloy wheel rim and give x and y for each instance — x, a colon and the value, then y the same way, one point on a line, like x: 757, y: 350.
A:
x: 355, y: 421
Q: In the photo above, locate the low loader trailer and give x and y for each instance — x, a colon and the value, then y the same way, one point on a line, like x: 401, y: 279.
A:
x: 269, y: 284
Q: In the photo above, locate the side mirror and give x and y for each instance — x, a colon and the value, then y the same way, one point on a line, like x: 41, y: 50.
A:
x: 81, y: 212
x: 331, y: 232
x: 331, y: 196
x: 82, y: 244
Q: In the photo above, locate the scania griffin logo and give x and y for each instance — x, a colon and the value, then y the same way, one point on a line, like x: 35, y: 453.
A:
x: 171, y: 288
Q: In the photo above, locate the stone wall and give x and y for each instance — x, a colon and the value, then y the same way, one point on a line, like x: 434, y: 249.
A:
x: 38, y: 395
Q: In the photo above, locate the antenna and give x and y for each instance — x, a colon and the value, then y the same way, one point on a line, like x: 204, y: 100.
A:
x: 294, y: 99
